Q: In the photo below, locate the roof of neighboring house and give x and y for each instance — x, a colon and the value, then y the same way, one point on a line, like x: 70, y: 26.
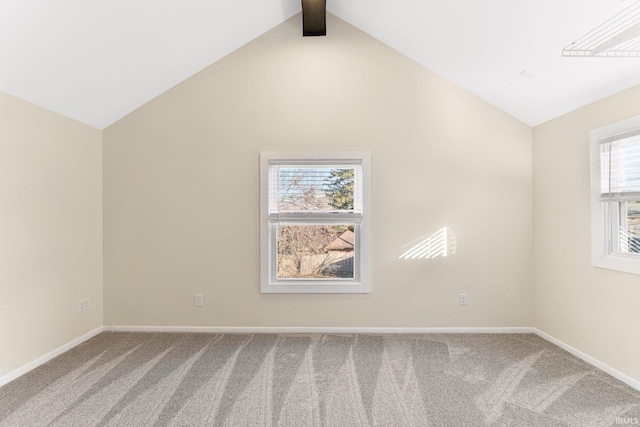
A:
x: 343, y: 242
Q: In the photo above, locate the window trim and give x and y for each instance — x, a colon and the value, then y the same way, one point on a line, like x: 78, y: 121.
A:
x: 362, y: 282
x: 602, y: 227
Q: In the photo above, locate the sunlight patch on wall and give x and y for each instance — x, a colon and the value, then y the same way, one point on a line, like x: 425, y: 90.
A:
x: 440, y: 243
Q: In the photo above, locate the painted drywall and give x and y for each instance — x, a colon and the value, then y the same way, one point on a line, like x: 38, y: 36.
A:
x: 181, y: 189
x: 592, y: 309
x: 50, y: 231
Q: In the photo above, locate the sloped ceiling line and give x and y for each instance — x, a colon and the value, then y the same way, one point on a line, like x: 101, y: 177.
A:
x: 98, y: 61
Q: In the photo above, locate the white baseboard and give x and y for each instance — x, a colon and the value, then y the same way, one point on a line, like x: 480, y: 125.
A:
x: 319, y: 330
x: 592, y: 361
x: 5, y: 379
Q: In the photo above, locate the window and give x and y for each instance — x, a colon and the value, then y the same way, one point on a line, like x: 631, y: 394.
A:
x: 315, y: 216
x: 615, y: 199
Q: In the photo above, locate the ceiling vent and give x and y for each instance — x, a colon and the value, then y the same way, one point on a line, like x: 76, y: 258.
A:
x: 617, y: 37
x: 314, y: 18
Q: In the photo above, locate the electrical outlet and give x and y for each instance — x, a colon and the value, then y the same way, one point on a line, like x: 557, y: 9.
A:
x: 463, y: 299
x: 83, y: 305
x: 638, y: 299
x: 198, y: 300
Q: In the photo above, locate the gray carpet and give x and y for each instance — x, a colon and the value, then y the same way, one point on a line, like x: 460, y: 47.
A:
x: 136, y: 379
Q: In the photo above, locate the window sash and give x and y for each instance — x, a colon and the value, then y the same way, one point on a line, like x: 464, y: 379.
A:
x: 618, y: 232
x: 276, y: 181
x: 315, y: 218
x: 620, y: 168
x: 339, y: 281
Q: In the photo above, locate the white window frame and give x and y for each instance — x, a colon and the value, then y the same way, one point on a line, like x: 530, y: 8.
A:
x: 605, y: 217
x: 269, y: 283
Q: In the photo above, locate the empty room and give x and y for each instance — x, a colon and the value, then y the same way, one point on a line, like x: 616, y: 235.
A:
x: 341, y: 213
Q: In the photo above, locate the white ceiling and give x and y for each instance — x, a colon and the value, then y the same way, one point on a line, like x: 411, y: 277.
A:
x: 96, y: 61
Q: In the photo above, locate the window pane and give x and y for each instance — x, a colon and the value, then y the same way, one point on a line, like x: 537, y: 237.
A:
x: 630, y: 227
x: 316, y: 251
x: 630, y: 232
x: 315, y: 189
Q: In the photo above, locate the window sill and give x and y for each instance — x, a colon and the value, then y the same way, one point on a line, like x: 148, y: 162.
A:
x: 624, y: 264
x: 306, y: 288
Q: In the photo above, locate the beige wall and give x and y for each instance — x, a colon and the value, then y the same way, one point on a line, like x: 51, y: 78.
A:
x: 181, y: 189
x: 50, y: 231
x: 592, y: 309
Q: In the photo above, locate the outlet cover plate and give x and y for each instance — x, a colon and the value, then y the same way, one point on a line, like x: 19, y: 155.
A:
x: 198, y: 300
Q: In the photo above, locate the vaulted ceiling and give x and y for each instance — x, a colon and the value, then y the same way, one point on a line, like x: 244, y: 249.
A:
x: 96, y: 61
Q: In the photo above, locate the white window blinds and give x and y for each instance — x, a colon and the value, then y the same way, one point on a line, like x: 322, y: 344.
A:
x: 620, y: 169
x: 326, y: 191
